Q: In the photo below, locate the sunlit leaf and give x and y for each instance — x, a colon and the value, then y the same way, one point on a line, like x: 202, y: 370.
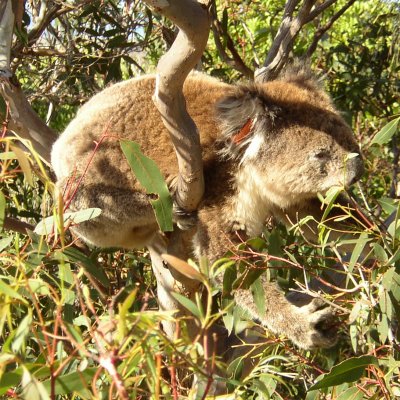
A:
x: 49, y: 224
x: 2, y: 210
x: 183, y: 267
x: 353, y: 393
x: 386, y: 133
x: 349, y: 370
x: 151, y: 178
x: 22, y: 332
x: 9, y: 291
x: 23, y: 163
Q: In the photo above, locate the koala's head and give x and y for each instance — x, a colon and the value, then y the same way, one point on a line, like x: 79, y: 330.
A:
x: 289, y: 137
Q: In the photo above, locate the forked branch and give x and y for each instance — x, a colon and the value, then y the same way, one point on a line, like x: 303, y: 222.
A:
x: 307, y: 11
x: 283, y: 42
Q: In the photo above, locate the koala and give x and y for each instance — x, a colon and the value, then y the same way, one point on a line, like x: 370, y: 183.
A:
x: 268, y: 150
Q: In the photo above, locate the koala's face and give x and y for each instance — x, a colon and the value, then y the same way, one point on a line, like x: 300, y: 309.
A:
x: 290, y: 139
x: 299, y: 160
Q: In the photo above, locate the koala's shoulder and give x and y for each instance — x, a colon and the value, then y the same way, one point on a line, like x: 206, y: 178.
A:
x: 141, y: 87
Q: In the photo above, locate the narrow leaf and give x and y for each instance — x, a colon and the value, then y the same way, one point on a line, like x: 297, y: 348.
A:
x: 347, y: 371
x: 151, y: 178
x: 2, y: 210
x: 78, y: 381
x: 8, y: 291
x: 23, y: 163
x: 74, y: 255
x: 257, y: 291
x: 188, y: 304
x: 386, y: 133
x: 48, y: 225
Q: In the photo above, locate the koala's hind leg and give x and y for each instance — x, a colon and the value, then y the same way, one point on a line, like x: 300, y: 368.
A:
x: 126, y: 220
x: 309, y: 326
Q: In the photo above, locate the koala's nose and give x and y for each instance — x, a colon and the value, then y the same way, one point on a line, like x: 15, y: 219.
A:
x: 354, y: 169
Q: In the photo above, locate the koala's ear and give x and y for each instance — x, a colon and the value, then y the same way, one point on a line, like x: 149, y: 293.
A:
x: 301, y: 74
x: 241, y: 116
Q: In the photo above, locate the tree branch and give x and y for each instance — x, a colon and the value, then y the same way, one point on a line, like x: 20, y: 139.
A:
x: 320, y: 9
x: 192, y: 19
x: 235, y: 61
x: 283, y: 42
x: 15, y: 225
x: 27, y: 122
x: 323, y: 29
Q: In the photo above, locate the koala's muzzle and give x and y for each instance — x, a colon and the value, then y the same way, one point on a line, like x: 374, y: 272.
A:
x: 354, y: 169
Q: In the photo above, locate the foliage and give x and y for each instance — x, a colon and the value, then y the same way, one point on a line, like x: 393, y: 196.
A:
x: 83, y: 323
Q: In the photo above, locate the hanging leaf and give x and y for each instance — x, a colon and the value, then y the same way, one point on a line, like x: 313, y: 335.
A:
x: 23, y: 163
x: 386, y: 133
x: 151, y: 178
x: 183, y: 267
x: 257, y: 291
x: 347, y: 371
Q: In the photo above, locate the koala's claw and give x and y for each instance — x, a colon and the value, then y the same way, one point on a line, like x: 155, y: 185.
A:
x: 318, y: 329
x: 184, y: 219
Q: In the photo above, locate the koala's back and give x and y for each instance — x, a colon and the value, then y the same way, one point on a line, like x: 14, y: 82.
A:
x: 126, y: 111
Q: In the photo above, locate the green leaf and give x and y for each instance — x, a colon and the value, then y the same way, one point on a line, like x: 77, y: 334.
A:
x: 77, y: 381
x: 9, y: 380
x: 8, y: 291
x: 347, y: 371
x: 358, y: 250
x: 32, y: 387
x: 380, y: 253
x: 22, y: 332
x: 5, y: 242
x: 151, y: 178
x: 2, y: 210
x: 74, y: 255
x: 389, y: 205
x: 353, y: 393
x: 188, y: 304
x: 386, y: 133
x: 49, y: 224
x: 257, y: 291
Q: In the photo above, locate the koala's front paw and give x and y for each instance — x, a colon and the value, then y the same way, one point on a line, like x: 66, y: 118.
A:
x: 315, y: 327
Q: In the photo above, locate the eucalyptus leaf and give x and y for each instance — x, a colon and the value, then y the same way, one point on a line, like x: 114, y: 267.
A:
x: 188, y: 304
x: 151, y: 178
x: 349, y: 370
x: 257, y: 291
x: 49, y: 224
x: 2, y: 210
x: 77, y: 381
x: 386, y: 133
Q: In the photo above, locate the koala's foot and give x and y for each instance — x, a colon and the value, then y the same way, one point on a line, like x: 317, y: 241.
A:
x: 314, y: 327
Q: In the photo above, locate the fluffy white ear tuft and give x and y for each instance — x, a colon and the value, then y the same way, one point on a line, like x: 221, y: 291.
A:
x: 245, y: 117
